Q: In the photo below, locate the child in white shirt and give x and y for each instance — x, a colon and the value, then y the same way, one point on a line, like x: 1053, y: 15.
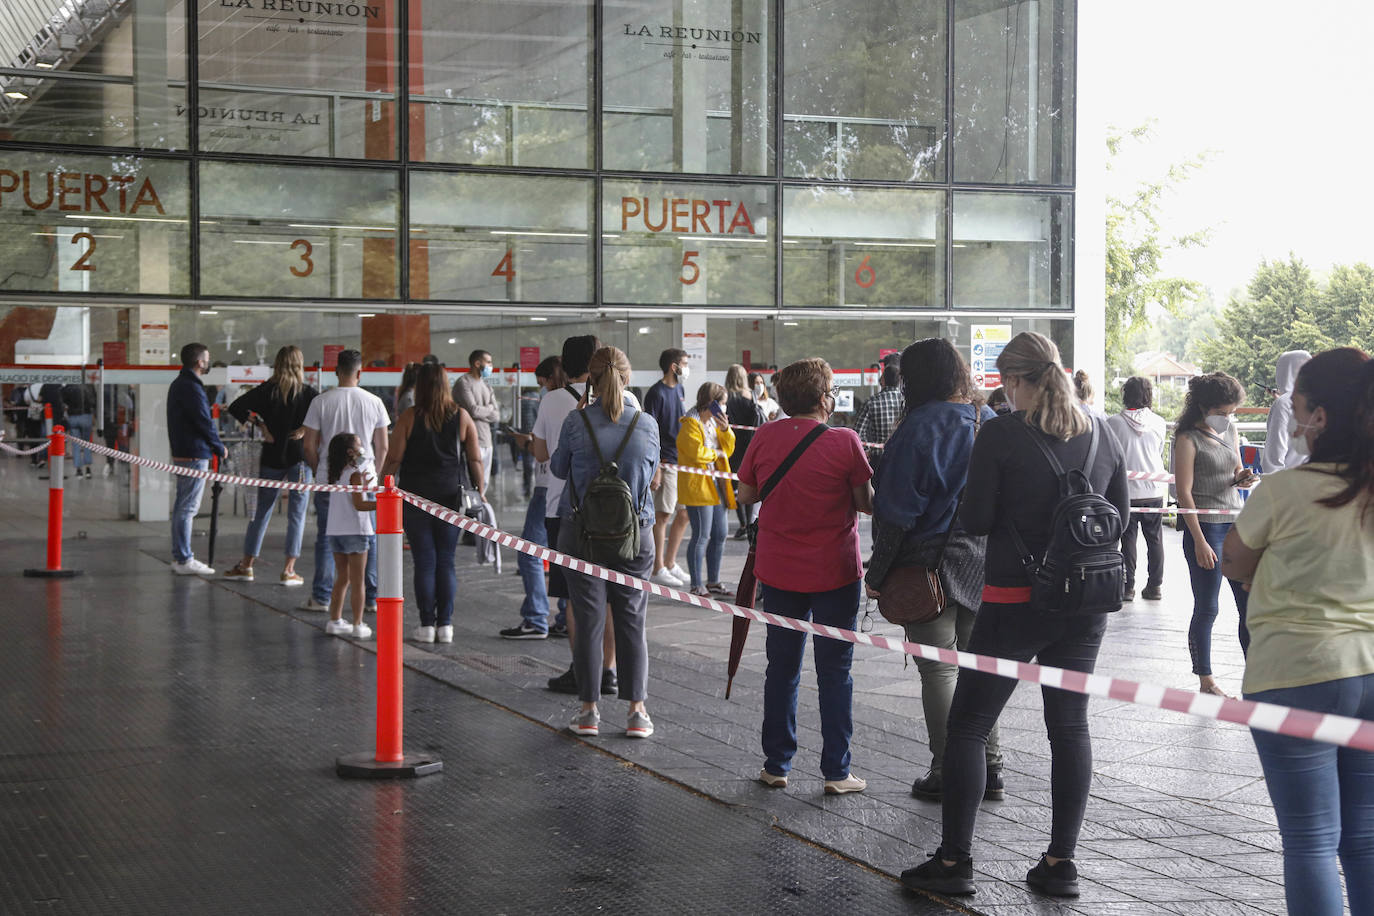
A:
x: 351, y: 532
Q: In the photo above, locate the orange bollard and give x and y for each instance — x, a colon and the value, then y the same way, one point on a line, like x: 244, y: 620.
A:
x: 57, y: 451
x: 389, y: 761
x: 47, y: 421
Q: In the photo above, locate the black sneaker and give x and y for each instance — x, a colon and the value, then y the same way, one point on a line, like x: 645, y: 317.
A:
x: 565, y: 682
x: 928, y: 788
x: 559, y: 631
x: 1059, y: 880
x: 1152, y: 593
x: 609, y: 685
x: 935, y: 875
x: 995, y: 790
x: 524, y: 631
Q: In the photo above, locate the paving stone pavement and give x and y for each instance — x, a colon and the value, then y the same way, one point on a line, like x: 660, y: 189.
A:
x: 1179, y: 820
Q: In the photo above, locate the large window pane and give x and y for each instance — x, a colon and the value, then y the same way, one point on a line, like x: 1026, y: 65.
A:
x: 94, y: 73
x: 296, y: 78
x: 500, y: 238
x: 856, y: 248
x: 498, y: 83
x: 295, y: 231
x: 668, y: 243
x: 92, y: 224
x: 1012, y: 251
x: 864, y: 89
x: 1014, y: 91
x: 688, y: 86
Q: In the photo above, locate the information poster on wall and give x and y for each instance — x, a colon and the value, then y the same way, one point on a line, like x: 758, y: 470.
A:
x: 154, y: 335
x: 694, y: 342
x: 988, y: 342
x: 529, y: 359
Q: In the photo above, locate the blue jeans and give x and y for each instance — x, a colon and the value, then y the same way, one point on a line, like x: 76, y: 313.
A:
x: 835, y: 688
x: 433, y: 543
x: 1206, y: 592
x: 1324, y: 799
x: 80, y: 425
x: 189, y: 491
x: 534, y: 610
x: 708, y: 540
x: 323, y: 581
x: 267, y: 501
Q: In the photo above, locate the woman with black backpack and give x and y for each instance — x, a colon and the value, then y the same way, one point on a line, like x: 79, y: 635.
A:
x: 1014, y: 490
x: 608, y: 436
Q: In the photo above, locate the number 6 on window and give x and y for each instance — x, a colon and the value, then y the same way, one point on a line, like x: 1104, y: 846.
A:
x: 687, y: 263
x: 865, y: 276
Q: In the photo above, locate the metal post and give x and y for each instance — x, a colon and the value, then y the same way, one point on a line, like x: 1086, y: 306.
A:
x: 389, y: 761
x: 57, y: 450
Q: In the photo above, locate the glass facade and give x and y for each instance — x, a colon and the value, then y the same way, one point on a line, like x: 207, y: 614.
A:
x: 764, y: 157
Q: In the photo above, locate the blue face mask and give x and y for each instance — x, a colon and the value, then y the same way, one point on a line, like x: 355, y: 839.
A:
x: 486, y: 372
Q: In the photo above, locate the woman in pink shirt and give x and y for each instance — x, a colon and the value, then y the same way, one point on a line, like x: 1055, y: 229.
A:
x: 808, y: 565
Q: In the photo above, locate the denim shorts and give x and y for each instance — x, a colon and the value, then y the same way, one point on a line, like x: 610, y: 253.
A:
x: 350, y: 543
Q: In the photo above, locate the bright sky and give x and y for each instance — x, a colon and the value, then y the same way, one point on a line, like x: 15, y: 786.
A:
x: 1284, y: 95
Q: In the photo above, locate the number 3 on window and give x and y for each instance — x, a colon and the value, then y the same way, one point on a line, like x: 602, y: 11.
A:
x: 688, y: 263
x: 309, y: 267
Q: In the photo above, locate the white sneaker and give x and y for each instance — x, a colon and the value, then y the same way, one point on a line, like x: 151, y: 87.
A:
x: 666, y: 579
x: 339, y: 628
x: 362, y: 631
x: 192, y: 567
x: 423, y: 634
x: 683, y: 577
x: 444, y: 634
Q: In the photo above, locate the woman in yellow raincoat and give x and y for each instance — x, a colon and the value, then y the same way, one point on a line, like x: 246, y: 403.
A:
x: 705, y: 441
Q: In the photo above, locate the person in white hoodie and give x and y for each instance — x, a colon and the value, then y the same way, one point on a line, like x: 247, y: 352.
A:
x: 1141, y: 433
x: 1278, y: 437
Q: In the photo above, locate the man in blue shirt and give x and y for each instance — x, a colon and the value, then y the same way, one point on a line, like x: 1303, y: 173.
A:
x: 664, y: 401
x: 194, y: 442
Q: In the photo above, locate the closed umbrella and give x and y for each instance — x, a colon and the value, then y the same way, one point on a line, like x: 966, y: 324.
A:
x: 216, y: 489
x: 745, y: 596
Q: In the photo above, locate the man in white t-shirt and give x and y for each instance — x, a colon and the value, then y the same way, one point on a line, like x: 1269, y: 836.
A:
x: 345, y: 409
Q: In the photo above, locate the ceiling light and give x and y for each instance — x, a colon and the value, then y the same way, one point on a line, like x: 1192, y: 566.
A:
x: 15, y: 94
x: 453, y: 340
x: 645, y: 330
x: 367, y: 314
x: 43, y: 65
x: 208, y: 312
x: 538, y: 318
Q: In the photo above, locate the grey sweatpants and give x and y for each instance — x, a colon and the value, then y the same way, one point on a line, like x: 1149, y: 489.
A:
x: 589, y: 596
x: 948, y: 631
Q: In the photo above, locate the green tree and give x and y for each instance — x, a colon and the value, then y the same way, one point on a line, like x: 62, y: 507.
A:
x: 1136, y: 246
x: 1283, y: 309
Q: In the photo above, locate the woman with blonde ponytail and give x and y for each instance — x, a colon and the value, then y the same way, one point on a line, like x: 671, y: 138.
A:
x: 1012, y: 487
x: 617, y: 425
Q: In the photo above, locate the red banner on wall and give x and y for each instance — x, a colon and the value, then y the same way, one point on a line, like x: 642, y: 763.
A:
x: 331, y: 355
x: 529, y: 359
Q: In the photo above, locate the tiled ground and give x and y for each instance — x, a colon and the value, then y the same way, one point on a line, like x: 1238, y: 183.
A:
x: 1179, y: 821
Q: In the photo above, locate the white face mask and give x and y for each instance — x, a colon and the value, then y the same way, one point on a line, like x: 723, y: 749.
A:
x: 760, y: 392
x: 1218, y: 423
x: 1298, y: 439
x: 684, y: 372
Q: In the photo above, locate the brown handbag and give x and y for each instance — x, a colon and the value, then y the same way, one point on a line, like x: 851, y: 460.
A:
x: 913, y: 594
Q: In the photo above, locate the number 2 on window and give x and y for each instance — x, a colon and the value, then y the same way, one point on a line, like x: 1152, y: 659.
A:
x: 309, y: 267
x: 83, y: 262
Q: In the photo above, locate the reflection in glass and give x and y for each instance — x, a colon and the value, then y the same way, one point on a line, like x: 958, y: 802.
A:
x: 297, y: 231
x: 1012, y: 251
x: 496, y: 83
x: 854, y: 248
x: 1014, y: 91
x: 864, y: 90
x: 298, y: 79
x: 500, y: 238
x: 688, y: 86
x: 110, y: 74
x: 99, y: 224
x: 666, y: 243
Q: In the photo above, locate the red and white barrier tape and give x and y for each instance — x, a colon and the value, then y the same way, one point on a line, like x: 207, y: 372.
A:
x: 1332, y: 729
x: 1300, y: 723
x: 705, y: 472
x: 214, y: 475
x: 29, y: 451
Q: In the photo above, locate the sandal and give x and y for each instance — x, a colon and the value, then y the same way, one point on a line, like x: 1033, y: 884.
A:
x: 717, y: 588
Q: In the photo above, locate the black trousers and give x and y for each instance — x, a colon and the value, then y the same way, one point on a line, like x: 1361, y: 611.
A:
x: 1018, y: 632
x: 1151, y: 524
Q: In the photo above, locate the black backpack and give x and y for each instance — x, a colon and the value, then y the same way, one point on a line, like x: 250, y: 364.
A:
x: 1082, y: 570
x: 605, y: 521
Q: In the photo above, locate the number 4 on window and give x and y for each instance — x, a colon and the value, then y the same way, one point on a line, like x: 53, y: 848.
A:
x: 506, y: 268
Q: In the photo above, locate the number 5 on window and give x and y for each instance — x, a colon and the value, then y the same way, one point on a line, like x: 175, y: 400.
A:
x: 689, y: 264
